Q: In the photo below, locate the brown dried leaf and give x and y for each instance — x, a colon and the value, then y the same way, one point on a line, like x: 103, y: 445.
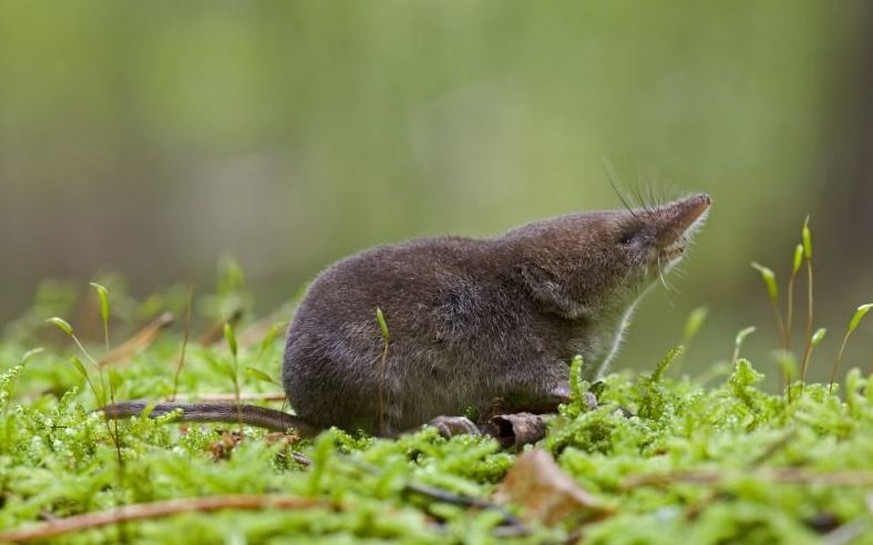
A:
x: 222, y: 448
x: 516, y: 430
x: 215, y: 332
x: 547, y: 494
x: 141, y: 340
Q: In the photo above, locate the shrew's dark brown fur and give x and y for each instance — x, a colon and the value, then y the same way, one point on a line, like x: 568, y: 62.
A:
x: 474, y: 324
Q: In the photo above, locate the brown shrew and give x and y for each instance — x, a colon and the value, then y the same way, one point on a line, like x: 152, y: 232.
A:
x: 473, y: 323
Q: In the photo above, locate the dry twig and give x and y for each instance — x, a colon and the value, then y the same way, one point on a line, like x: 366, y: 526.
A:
x: 154, y: 510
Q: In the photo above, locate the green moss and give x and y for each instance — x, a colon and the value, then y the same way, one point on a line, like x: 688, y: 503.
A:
x: 728, y: 462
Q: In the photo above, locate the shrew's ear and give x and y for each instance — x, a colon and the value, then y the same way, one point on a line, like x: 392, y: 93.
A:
x: 547, y: 290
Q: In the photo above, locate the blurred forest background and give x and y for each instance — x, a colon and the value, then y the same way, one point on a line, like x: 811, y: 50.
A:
x: 151, y: 139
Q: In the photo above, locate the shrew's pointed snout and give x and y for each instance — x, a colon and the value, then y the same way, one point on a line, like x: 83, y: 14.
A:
x: 695, y: 205
x: 679, y: 218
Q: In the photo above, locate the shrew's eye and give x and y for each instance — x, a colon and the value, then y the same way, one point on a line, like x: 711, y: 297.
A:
x: 626, y: 238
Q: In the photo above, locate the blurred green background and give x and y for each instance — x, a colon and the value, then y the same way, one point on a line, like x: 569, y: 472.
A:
x: 153, y: 138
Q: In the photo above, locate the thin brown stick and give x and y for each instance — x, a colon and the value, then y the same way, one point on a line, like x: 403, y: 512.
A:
x: 154, y: 510
x: 186, y: 335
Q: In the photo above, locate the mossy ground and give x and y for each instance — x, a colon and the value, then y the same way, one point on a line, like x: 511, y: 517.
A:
x: 677, y: 461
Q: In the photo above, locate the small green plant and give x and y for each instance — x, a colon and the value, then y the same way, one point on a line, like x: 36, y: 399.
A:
x: 769, y: 278
x: 796, y: 262
x: 383, y: 362
x: 112, y: 375
x: 738, y: 342
x: 812, y: 338
x: 579, y: 389
x: 807, y: 258
x: 860, y: 312
x: 185, y: 338
x: 653, y: 394
x: 233, y: 346
x: 268, y: 341
x: 788, y: 368
x: 783, y: 326
x: 103, y: 295
x: 693, y: 323
x: 108, y: 383
x: 104, y: 389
